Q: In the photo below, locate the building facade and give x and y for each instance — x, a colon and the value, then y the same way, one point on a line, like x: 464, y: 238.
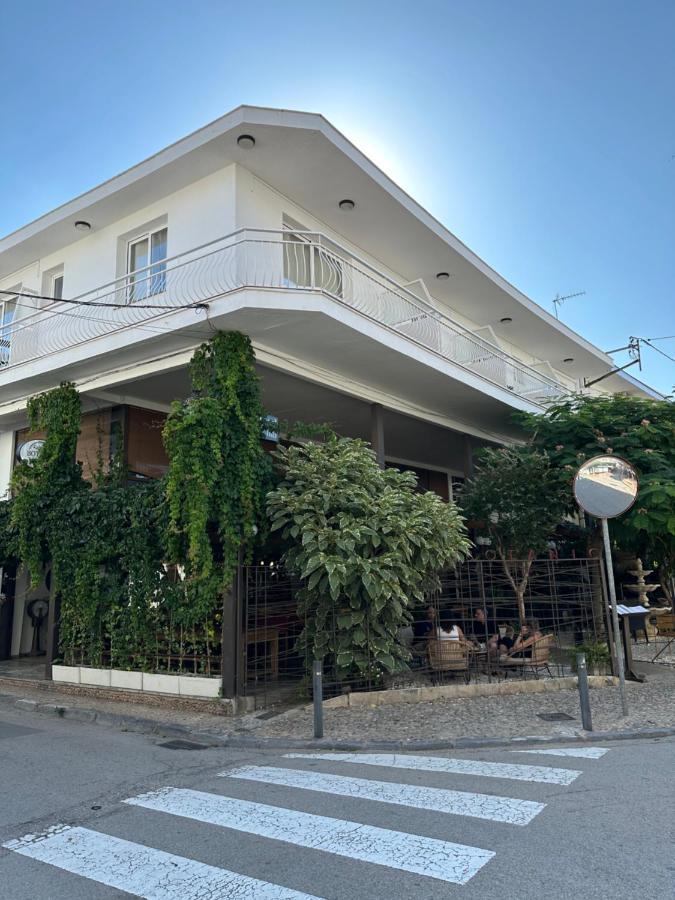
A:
x: 363, y: 310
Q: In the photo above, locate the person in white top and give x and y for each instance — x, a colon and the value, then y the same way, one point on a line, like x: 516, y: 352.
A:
x: 448, y: 630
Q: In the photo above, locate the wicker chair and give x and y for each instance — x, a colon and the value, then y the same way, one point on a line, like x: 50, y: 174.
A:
x: 448, y: 656
x: 541, y: 650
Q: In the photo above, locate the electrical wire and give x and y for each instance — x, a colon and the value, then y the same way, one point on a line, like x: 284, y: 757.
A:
x: 18, y: 325
x: 658, y: 350
x: 95, y: 303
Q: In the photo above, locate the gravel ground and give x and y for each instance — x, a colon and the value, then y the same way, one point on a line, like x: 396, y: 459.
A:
x: 651, y: 704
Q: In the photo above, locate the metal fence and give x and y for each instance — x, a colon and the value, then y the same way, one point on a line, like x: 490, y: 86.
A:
x: 565, y: 606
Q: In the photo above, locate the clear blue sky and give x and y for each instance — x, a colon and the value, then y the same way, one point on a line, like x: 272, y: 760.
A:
x: 542, y: 134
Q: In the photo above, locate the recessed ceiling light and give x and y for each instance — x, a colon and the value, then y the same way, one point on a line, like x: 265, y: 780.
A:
x: 442, y: 276
x: 81, y: 225
x: 568, y: 359
x: 506, y: 320
x: 246, y: 141
x: 346, y: 204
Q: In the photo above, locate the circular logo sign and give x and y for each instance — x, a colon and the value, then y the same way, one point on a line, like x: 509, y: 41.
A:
x: 29, y: 450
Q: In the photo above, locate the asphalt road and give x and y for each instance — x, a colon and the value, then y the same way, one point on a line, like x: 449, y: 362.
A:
x: 217, y: 823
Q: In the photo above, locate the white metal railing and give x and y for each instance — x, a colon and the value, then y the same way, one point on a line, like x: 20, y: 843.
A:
x: 267, y: 260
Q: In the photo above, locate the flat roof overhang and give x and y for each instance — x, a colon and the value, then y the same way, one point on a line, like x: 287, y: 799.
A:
x: 305, y: 158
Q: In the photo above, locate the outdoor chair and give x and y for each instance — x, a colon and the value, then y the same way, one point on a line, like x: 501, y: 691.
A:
x: 448, y: 656
x: 541, y: 649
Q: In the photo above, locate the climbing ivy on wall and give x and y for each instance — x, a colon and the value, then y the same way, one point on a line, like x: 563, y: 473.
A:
x: 219, y: 472
x: 108, y: 549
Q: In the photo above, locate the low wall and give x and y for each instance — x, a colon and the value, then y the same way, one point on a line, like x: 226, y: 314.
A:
x: 195, y: 686
x: 457, y: 691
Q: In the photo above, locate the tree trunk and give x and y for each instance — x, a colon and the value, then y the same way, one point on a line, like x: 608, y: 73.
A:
x: 520, y: 595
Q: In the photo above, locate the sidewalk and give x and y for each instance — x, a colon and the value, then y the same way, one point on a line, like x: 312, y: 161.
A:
x: 651, y: 705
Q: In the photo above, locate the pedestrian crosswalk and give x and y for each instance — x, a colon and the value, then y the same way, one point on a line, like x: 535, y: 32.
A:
x: 411, y: 853
x: 458, y: 803
x: 544, y: 774
x: 140, y: 870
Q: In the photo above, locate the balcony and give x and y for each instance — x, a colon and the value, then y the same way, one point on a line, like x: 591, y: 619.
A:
x: 276, y: 261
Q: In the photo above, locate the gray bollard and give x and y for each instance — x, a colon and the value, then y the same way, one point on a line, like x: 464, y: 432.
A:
x: 584, y: 699
x: 317, y: 684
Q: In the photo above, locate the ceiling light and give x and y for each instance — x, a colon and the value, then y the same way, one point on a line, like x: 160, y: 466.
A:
x: 346, y: 204
x: 81, y: 225
x: 246, y: 141
x: 506, y: 320
x: 568, y: 359
x: 442, y: 276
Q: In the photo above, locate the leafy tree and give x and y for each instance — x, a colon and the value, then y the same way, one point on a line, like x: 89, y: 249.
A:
x: 367, y: 546
x: 518, y: 498
x: 640, y: 430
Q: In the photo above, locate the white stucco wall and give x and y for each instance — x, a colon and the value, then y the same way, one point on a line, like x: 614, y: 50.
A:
x: 194, y: 215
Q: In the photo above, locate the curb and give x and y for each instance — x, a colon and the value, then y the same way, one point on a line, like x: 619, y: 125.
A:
x: 150, y: 726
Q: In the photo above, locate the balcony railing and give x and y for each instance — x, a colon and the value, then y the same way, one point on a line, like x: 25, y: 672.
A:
x: 264, y: 260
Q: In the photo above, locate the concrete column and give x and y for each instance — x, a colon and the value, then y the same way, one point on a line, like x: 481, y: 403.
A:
x: 468, y: 456
x: 6, y: 461
x: 377, y: 432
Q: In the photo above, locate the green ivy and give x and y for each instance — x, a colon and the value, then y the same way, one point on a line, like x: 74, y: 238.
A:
x: 218, y: 472
x: 108, y: 548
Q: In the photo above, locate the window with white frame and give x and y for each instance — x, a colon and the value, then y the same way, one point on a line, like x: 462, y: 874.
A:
x: 308, y: 263
x: 146, y: 265
x: 57, y: 286
x: 7, y: 312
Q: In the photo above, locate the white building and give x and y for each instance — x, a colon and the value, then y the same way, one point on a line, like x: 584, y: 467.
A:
x: 364, y: 311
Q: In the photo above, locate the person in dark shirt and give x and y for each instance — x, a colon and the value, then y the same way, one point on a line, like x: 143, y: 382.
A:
x: 485, y: 631
x: 426, y: 627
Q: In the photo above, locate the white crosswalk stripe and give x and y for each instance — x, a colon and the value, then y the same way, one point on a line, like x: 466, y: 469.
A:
x: 578, y: 752
x: 543, y: 774
x: 143, y: 871
x: 456, y: 863
x: 460, y: 803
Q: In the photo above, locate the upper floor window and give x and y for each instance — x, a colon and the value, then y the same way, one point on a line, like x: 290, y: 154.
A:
x: 308, y: 263
x: 146, y: 265
x: 7, y: 311
x: 57, y: 286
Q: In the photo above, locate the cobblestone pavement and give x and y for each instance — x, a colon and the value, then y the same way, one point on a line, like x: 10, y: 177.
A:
x: 664, y: 647
x: 650, y: 705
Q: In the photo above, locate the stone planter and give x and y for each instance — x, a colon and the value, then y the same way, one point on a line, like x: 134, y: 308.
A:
x: 160, y: 683
x: 126, y: 681
x: 66, y: 674
x: 198, y: 686
x: 95, y: 677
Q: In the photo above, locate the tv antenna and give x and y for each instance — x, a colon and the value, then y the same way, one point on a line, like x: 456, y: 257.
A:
x: 558, y: 300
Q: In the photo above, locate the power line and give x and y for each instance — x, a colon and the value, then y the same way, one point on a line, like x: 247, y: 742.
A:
x: 667, y: 337
x: 658, y: 349
x: 133, y: 305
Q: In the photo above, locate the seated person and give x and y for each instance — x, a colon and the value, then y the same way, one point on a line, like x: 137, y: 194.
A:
x: 448, y: 630
x: 485, y: 631
x: 425, y: 627
x: 522, y: 648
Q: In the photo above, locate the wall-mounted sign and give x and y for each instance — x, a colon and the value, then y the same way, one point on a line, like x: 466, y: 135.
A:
x: 29, y: 450
x: 270, y: 428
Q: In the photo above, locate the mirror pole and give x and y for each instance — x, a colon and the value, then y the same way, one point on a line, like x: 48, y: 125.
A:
x: 615, y: 617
